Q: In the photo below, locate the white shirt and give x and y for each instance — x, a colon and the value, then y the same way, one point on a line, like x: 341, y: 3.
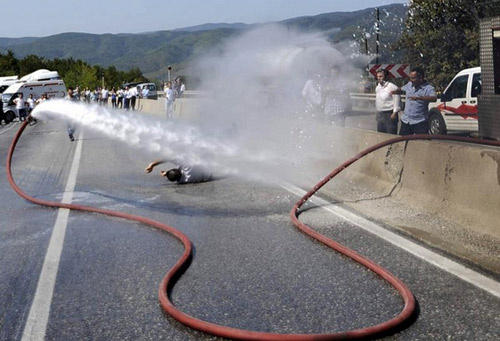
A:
x: 169, y: 94
x: 31, y: 102
x: 190, y: 174
x: 132, y: 91
x: 384, y: 101
x: 19, y: 103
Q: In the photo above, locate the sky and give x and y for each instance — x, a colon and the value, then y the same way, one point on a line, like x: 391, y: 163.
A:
x: 35, y: 18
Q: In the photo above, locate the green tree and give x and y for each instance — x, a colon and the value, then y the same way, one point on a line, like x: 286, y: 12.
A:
x: 112, y: 77
x: 442, y: 36
x: 31, y: 63
x: 9, y: 65
x: 73, y: 72
x: 88, y: 77
x: 134, y: 75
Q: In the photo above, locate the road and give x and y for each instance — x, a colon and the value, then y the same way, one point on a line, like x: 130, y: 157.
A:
x: 252, y: 269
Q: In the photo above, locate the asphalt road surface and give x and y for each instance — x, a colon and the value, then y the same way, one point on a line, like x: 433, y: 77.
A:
x: 252, y: 269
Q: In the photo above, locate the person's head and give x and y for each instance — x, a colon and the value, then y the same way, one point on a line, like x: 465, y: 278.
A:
x: 169, y: 84
x: 70, y: 92
x: 31, y: 95
x: 417, y: 76
x: 20, y: 95
x: 382, y: 76
x: 174, y: 174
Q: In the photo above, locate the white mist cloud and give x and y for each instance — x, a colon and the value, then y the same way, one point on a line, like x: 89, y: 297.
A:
x: 253, y: 120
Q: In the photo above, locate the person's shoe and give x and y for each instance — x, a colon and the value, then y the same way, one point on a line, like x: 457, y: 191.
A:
x: 71, y: 137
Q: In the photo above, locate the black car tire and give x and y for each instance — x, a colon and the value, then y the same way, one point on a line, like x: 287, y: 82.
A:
x: 436, y: 124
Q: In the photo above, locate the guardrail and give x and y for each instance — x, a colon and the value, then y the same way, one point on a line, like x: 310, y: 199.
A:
x: 366, y: 102
x: 362, y: 102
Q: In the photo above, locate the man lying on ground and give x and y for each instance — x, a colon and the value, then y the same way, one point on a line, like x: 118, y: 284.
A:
x: 182, y: 174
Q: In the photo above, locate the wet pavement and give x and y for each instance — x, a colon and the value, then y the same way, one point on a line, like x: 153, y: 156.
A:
x: 251, y: 269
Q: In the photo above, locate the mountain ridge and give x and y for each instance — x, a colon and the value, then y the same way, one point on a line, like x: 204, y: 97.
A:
x: 152, y: 52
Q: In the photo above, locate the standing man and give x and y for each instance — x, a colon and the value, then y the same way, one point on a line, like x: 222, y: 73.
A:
x: 71, y: 128
x: 169, y: 100
x: 126, y: 98
x: 104, y: 96
x: 336, y: 98
x: 31, y: 104
x: 387, y: 104
x: 133, y: 96
x: 20, y: 107
x: 419, y: 94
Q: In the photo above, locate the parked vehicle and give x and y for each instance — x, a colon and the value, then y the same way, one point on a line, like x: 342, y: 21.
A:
x: 149, y: 89
x: 37, y: 83
x: 5, y: 82
x: 456, y: 109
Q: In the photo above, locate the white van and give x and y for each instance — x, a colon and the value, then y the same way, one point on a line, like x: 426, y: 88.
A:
x: 6, y: 81
x: 456, y: 109
x: 37, y: 83
x: 147, y: 90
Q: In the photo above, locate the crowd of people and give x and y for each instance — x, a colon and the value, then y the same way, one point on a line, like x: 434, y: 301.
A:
x: 328, y: 100
x: 118, y: 98
x: 24, y: 107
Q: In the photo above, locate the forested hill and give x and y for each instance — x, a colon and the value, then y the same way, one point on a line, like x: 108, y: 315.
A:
x: 151, y: 52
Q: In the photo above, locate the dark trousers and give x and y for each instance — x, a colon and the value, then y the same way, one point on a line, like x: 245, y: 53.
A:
x: 22, y: 114
x: 132, y: 102
x: 385, y: 124
x: 410, y: 129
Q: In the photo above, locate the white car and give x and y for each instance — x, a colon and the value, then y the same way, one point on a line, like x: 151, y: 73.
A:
x: 456, y: 109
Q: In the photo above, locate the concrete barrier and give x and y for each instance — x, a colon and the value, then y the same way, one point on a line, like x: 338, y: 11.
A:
x: 184, y: 108
x: 456, y: 181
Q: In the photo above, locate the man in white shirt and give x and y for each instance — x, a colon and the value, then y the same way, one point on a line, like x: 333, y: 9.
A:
x: 133, y: 96
x: 387, y: 104
x: 20, y: 107
x: 169, y: 100
x: 104, y: 96
x: 31, y: 103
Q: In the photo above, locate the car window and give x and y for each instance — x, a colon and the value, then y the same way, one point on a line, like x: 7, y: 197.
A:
x: 476, y: 85
x: 458, y: 88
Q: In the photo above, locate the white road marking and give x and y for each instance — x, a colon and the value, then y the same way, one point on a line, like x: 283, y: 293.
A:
x: 8, y: 128
x: 36, y: 324
x: 452, y: 267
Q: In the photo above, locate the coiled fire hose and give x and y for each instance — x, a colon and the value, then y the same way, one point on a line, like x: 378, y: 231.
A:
x: 183, y: 262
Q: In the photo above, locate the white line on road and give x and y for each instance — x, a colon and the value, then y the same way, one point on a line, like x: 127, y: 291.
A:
x: 458, y: 270
x: 38, y: 317
x: 8, y: 128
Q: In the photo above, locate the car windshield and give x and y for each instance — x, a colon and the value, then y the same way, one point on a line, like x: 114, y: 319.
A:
x: 6, y: 97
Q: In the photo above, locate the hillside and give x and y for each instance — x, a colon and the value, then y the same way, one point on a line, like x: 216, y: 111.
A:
x: 151, y: 52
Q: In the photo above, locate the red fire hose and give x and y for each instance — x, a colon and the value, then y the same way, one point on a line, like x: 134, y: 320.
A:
x: 182, y: 264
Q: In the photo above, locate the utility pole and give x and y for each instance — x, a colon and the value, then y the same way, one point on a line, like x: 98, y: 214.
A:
x: 377, y: 31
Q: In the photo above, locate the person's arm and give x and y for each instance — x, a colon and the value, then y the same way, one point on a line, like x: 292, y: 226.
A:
x: 153, y: 164
x: 396, y: 104
x: 424, y: 98
x: 398, y: 91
